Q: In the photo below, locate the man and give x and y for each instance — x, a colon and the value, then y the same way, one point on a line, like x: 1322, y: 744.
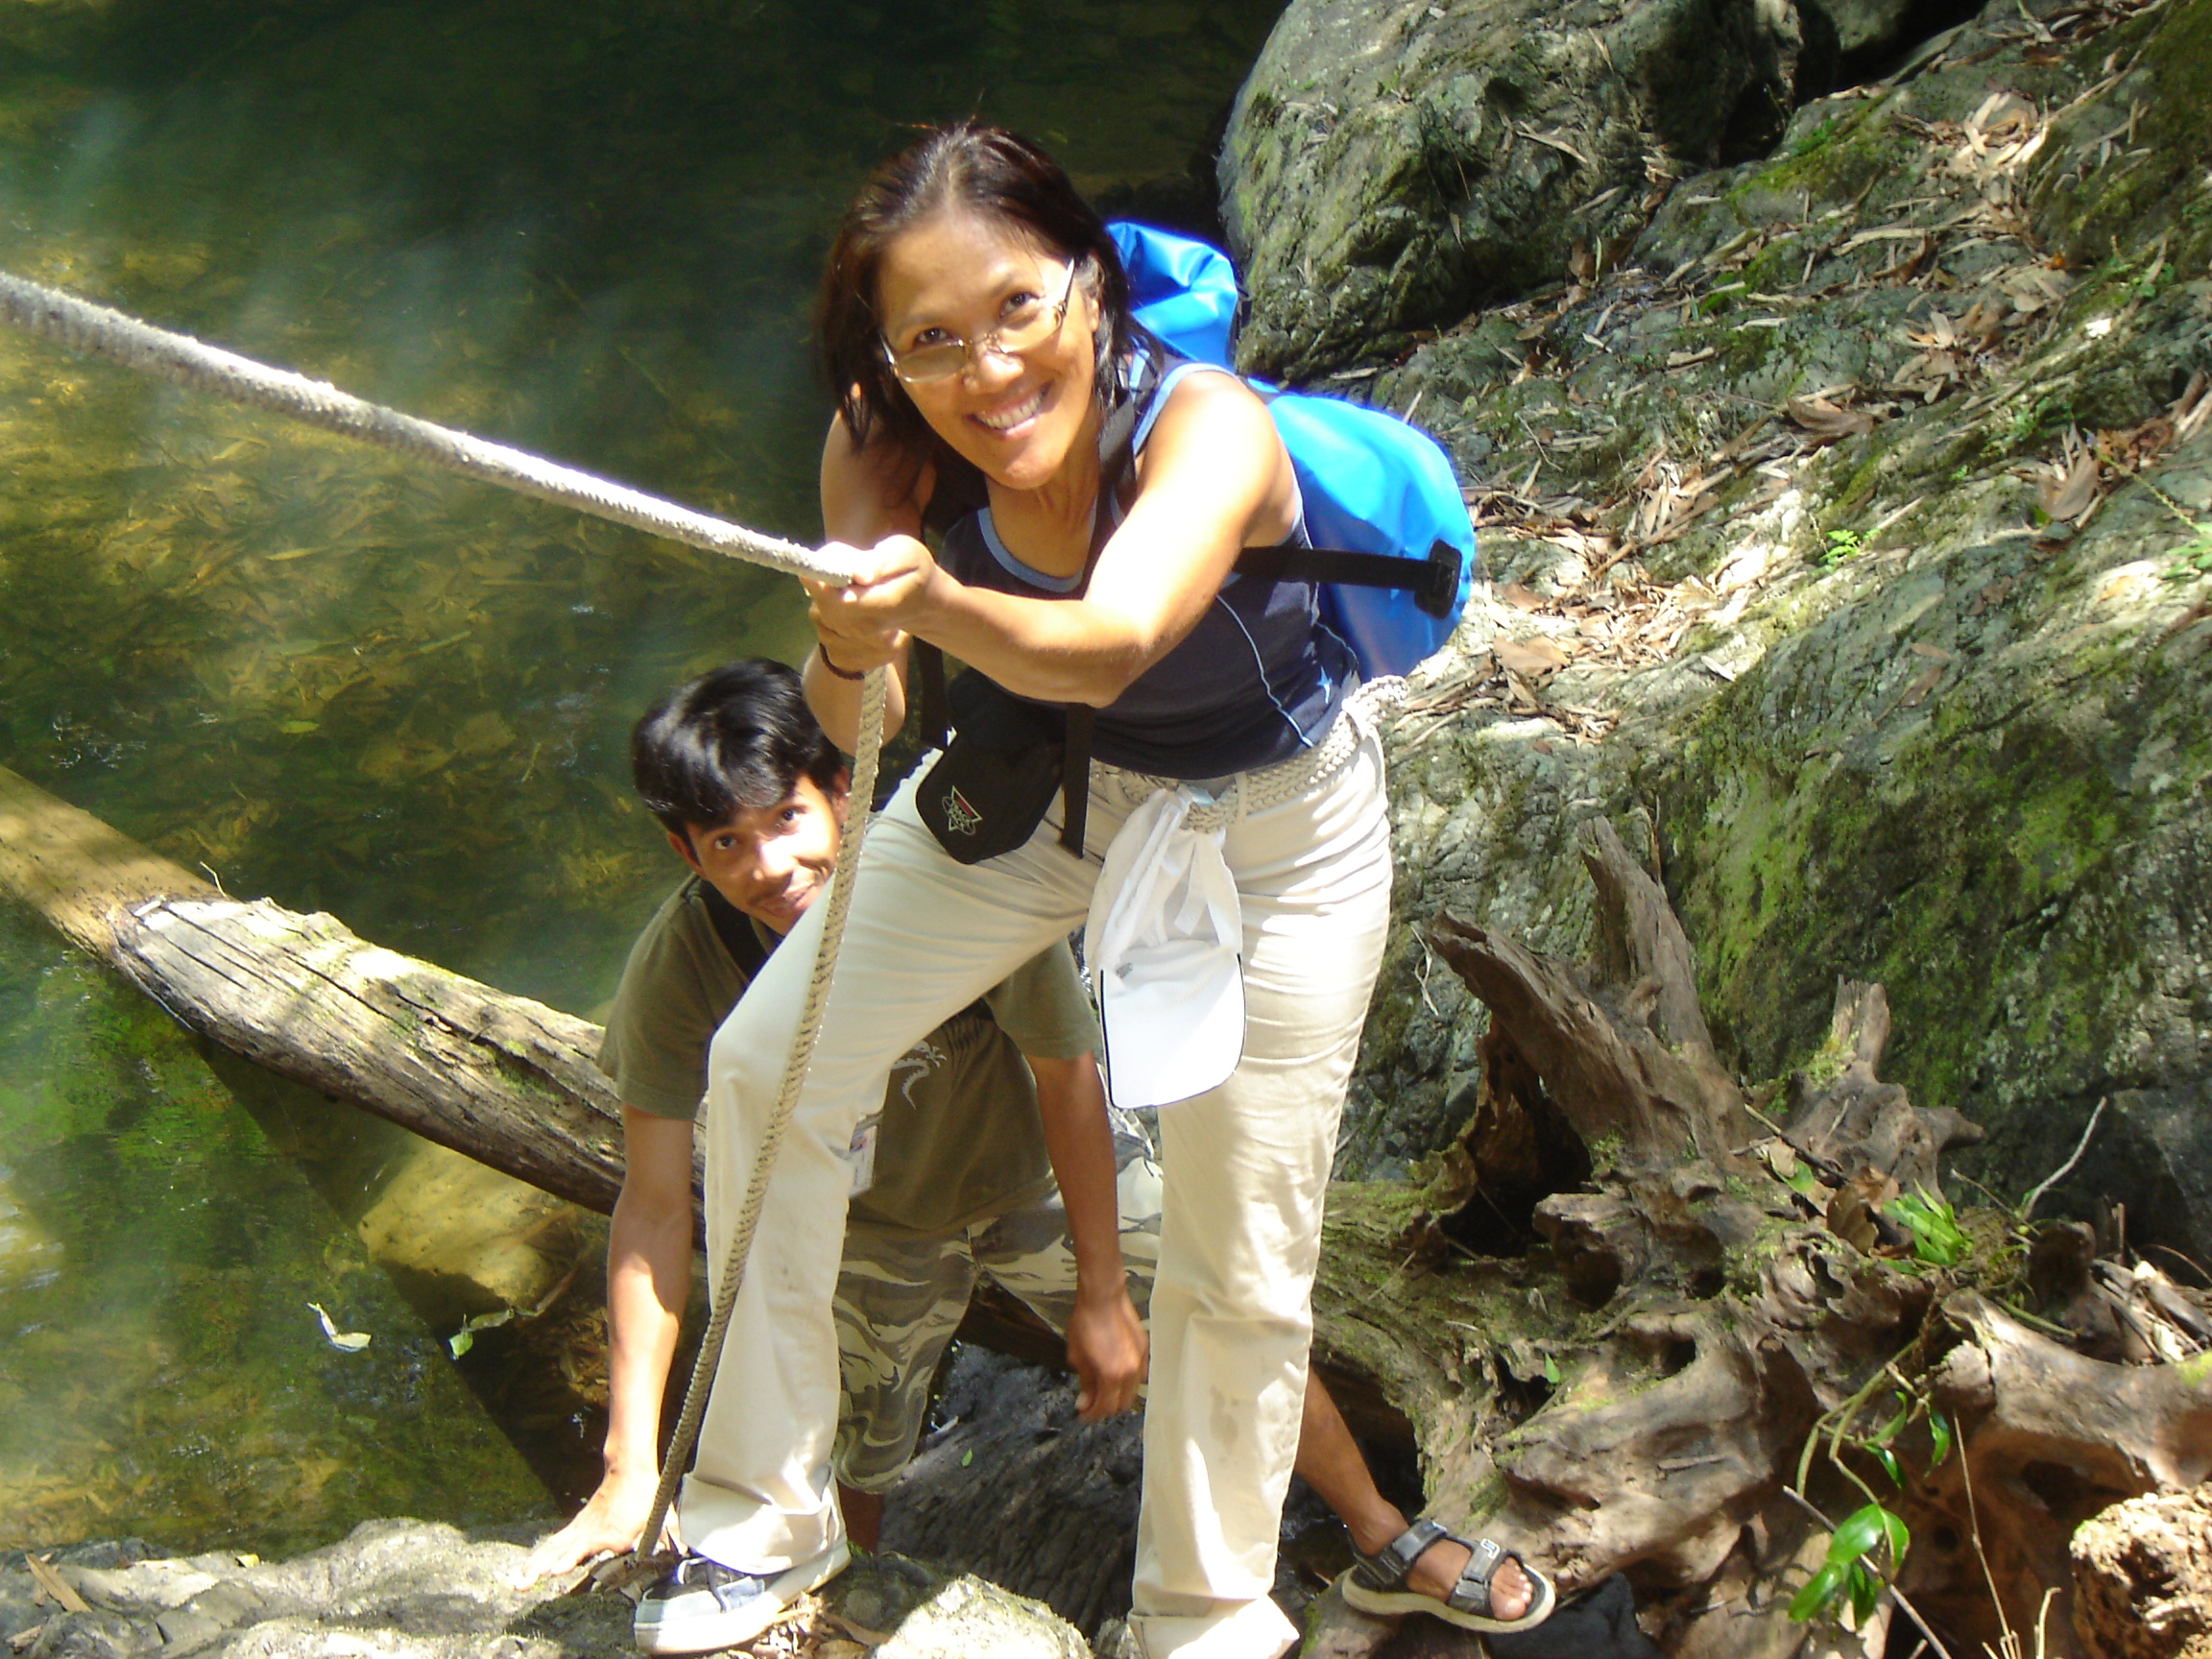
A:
x: 994, y: 1152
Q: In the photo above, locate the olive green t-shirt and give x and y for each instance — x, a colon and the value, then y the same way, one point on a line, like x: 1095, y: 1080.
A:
x: 960, y: 1138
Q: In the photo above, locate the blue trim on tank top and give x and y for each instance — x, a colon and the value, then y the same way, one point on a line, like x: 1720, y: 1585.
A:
x: 1014, y: 567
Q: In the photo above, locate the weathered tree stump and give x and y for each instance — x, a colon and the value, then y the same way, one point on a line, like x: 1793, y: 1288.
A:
x: 1630, y: 1293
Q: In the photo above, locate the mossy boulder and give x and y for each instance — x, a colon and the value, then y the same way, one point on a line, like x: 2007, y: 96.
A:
x: 1909, y: 725
x: 1385, y: 167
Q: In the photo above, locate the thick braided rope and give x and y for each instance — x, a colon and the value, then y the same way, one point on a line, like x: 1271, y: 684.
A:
x: 94, y: 330
x: 862, y: 793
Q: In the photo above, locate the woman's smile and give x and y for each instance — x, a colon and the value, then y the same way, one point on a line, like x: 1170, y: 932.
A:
x: 1005, y: 417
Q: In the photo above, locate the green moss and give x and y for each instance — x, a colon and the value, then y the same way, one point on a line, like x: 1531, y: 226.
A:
x: 2088, y: 212
x: 1835, y: 161
x: 1605, y: 1155
x: 1919, y: 863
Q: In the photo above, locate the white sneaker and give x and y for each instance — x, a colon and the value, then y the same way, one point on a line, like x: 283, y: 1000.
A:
x: 703, y: 1605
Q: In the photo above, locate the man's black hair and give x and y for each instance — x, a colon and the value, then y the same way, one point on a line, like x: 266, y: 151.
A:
x: 741, y: 737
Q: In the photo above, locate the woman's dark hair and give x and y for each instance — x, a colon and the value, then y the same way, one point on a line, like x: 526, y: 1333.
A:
x: 737, y: 737
x: 991, y: 170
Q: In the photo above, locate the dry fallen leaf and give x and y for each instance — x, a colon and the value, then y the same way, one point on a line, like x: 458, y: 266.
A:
x: 2065, y: 499
x: 1824, y: 420
x: 1993, y: 594
x: 1921, y: 686
x: 1851, y: 1211
x: 1521, y: 598
x: 54, y: 1585
x: 1529, y: 659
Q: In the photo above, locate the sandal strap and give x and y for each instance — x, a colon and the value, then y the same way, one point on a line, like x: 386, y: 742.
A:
x: 1472, y: 1592
x: 1387, y: 1567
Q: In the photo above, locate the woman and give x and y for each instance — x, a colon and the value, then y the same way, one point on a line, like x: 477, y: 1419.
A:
x: 976, y: 313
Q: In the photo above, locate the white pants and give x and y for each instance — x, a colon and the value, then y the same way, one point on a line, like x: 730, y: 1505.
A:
x: 1246, y: 1167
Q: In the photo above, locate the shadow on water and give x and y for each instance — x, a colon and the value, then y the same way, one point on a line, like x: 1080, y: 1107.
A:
x: 396, y: 696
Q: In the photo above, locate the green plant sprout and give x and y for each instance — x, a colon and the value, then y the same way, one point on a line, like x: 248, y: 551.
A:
x: 1938, y: 1238
x: 1846, y: 1574
x: 1852, y: 1576
x: 2193, y: 560
x: 1841, y: 545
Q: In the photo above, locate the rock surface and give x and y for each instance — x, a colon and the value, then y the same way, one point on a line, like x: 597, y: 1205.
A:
x: 1851, y: 537
x: 1016, y: 1490
x: 2143, y: 1578
x: 415, y: 1590
x: 1387, y: 164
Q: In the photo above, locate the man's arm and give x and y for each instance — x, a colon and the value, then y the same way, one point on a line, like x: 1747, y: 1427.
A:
x: 648, y: 1277
x: 1106, y: 1343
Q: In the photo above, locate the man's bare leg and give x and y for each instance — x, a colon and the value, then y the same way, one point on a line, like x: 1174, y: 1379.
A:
x: 1330, y: 1461
x: 863, y: 1516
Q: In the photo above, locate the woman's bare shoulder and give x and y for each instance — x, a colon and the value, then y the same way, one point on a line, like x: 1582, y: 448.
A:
x: 1213, y: 421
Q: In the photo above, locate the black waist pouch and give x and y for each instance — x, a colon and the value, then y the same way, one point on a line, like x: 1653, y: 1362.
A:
x: 989, y: 790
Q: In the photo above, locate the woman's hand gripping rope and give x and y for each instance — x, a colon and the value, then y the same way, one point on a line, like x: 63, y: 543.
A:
x: 863, y: 622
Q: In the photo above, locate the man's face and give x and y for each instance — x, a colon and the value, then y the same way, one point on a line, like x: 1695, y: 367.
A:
x: 770, y: 862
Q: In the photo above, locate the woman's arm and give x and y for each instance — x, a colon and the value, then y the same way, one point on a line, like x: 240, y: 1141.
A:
x: 1213, y: 479
x: 863, y: 504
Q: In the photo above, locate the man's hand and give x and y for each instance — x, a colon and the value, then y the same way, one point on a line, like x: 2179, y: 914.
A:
x: 1109, y: 1350
x: 1106, y: 1344
x: 607, y: 1525
x: 648, y: 1274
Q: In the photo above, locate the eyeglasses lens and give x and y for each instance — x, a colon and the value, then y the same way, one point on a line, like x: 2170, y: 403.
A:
x: 1028, y: 326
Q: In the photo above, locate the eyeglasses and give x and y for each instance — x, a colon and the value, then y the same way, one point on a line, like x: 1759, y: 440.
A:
x: 1026, y: 324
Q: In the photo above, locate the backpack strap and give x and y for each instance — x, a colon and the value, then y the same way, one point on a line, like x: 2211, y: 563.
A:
x: 936, y: 712
x: 1117, y: 489
x: 735, y: 928
x: 1433, y: 581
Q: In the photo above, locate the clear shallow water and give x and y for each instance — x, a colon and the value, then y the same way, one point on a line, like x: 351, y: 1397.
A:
x: 394, y: 696
x: 160, y: 1370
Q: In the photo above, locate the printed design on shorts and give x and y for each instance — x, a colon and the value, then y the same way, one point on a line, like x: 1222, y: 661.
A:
x: 960, y: 818
x: 898, y: 1302
x: 915, y: 1063
x: 1028, y: 1254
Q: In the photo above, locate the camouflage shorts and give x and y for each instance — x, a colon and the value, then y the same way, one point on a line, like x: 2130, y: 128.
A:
x: 900, y: 1297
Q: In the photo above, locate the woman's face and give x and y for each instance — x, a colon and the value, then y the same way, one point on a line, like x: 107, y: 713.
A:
x: 959, y: 275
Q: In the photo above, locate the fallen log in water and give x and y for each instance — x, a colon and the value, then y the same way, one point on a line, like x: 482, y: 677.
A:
x: 506, y: 1080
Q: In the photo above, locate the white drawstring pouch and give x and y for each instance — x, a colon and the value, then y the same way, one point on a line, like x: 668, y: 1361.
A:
x: 1163, y: 950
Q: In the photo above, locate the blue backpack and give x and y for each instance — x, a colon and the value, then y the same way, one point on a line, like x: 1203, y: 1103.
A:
x: 1393, y: 548
x: 1393, y: 556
